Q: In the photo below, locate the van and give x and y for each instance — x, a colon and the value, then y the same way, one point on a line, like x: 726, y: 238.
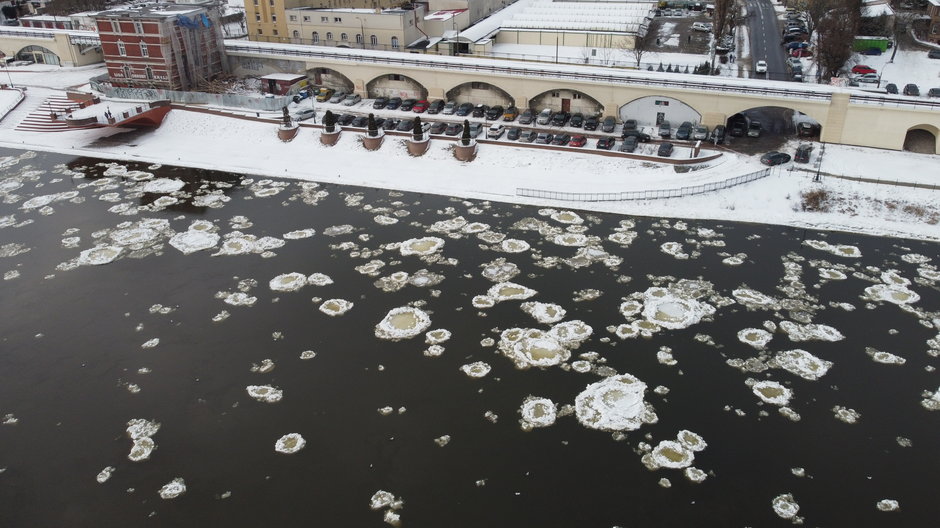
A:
x: 545, y: 116
x: 701, y: 26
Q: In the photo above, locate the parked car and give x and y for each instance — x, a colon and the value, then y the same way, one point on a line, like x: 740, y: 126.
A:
x: 405, y: 125
x: 495, y: 131
x: 761, y: 66
x: 561, y: 139
x: 545, y: 116
x: 867, y: 78
x: 605, y: 143
x: 391, y: 124
x: 379, y: 103
x: 700, y: 132
x: 476, y: 129
x: 801, y: 52
x: 684, y: 132
x: 577, y: 140
x: 738, y: 128
x: 511, y: 114
x: 665, y: 149
x: 494, y: 113
x: 304, y: 114
x: 871, y: 51
x: 419, y: 107
x: 453, y: 129
x: 359, y: 121
x: 590, y: 123
x: 718, y: 135
x: 577, y: 120
x: 560, y: 119
x: 640, y: 136
x: 379, y: 122
x: 408, y: 104
x: 911, y: 89
x: 806, y: 129
x: 775, y: 158
x: 933, y: 92
x: 933, y: 54
x: 345, y: 119
x: 701, y: 26
x: 665, y: 129
x: 802, y: 153
x: 514, y: 134
x: 608, y: 124
x: 861, y: 69
x: 630, y: 124
x: 629, y: 144
x: 544, y: 138
x: 526, y: 117
x: 753, y: 129
x: 528, y: 136
x: 480, y: 110
x: 393, y: 103
x: 352, y: 99
x: 324, y: 94
x: 891, y: 88
x: 438, y: 127
x: 337, y: 97
x: 435, y: 106
x: 449, y: 108
x: 464, y: 109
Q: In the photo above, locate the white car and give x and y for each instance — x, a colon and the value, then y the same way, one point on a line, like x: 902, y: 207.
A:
x: 761, y: 67
x: 496, y: 131
x: 305, y: 114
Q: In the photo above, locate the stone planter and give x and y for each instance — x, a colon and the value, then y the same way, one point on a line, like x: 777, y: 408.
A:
x: 330, y: 138
x: 373, y: 142
x: 286, y: 134
x: 465, y: 153
x: 418, y: 148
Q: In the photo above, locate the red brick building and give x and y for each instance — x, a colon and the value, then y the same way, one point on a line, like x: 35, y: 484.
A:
x: 169, y: 46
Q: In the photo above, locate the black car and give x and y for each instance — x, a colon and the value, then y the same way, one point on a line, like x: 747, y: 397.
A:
x: 802, y: 153
x: 380, y: 103
x: 480, y: 110
x: 665, y: 149
x: 406, y: 125
x: 605, y: 143
x: 453, y: 129
x: 514, y: 133
x: 590, y: 123
x: 345, y: 119
x: 393, y: 103
x: 718, y: 134
x: 577, y: 120
x: 684, y: 131
x: 629, y: 124
x: 464, y: 109
x: 359, y: 121
x: 891, y: 88
x: 379, y: 122
x: 933, y: 54
x: 629, y: 144
x: 436, y: 106
x: 561, y: 139
x: 933, y: 92
x: 391, y: 124
x: 407, y: 105
x: 640, y: 136
x: 438, y: 127
x: 526, y: 117
x: 494, y: 112
x: 911, y: 89
x: 609, y: 123
x: 560, y: 118
x: 738, y: 128
x: 775, y: 158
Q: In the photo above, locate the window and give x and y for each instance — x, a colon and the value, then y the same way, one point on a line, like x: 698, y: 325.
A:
x: 329, y: 35
x: 122, y: 51
x: 149, y: 73
x: 273, y: 18
x: 316, y: 37
x: 374, y: 40
x: 127, y: 71
x: 274, y: 31
x: 271, y: 3
x: 395, y: 77
x: 358, y: 38
x: 138, y: 26
x: 260, y: 31
x: 394, y: 42
x: 295, y: 34
x: 293, y: 18
x: 344, y: 37
x: 324, y: 19
x: 256, y: 2
x: 115, y: 26
x: 337, y: 19
x: 306, y: 19
x: 144, y: 52
x: 479, y: 86
x: 575, y: 95
x: 257, y: 17
x: 556, y: 94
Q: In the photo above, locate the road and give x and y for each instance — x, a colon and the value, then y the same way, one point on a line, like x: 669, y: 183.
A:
x: 764, y: 32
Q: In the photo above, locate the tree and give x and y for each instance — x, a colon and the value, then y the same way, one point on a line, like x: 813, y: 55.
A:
x: 722, y: 18
x: 373, y: 129
x: 835, y: 34
x: 465, y: 138
x: 417, y: 130
x: 636, y: 47
x: 329, y: 122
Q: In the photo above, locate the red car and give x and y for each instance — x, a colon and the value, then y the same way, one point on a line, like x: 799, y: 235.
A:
x: 577, y: 141
x: 420, y: 107
x: 861, y: 69
x: 801, y: 52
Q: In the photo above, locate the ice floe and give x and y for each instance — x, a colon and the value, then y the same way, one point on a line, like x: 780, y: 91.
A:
x: 319, y: 279
x: 545, y: 313
x: 100, y: 255
x: 802, y: 364
x: 530, y: 347
x: 845, y: 414
x: 288, y: 282
x: 669, y: 310
x: 886, y: 358
x: 755, y: 337
x: 499, y: 270
x: 477, y: 369
x: 931, y: 402
x: 386, y: 500
x: 421, y: 246
x: 265, y: 393
x: 810, y: 332
x: 754, y: 299
x: 299, y: 234
x: 888, y: 505
x: 104, y: 475
x: 141, y: 432
x: 785, y: 507
x: 614, y: 404
x: 566, y: 217
x: 892, y: 293
x: 772, y: 392
x: 509, y: 291
x: 512, y: 245
x: 537, y: 412
x: 290, y: 443
x: 163, y: 186
x: 671, y: 454
x: 403, y: 322
x: 173, y: 489
x: 334, y: 307
x: 840, y: 249
x: 194, y: 240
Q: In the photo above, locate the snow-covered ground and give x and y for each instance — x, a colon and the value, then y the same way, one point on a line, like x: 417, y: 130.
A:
x: 251, y: 147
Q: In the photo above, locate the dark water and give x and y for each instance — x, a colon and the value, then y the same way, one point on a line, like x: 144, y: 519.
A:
x: 71, y: 342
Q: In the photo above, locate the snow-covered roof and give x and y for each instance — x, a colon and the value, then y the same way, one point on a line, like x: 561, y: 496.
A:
x: 621, y: 17
x: 284, y: 76
x: 489, y: 25
x: 877, y: 9
x: 444, y: 14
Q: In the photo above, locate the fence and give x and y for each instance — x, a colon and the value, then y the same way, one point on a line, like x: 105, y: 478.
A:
x: 267, y: 104
x: 643, y: 195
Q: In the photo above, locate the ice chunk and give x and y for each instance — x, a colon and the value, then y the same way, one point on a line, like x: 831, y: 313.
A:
x: 385, y: 499
x: 512, y: 245
x: 801, y: 363
x: 545, y: 313
x: 674, y: 249
x: 690, y: 440
x: 299, y: 234
x: 335, y: 307
x: 571, y: 333
x: 99, y: 255
x: 931, y: 402
x: 614, y: 404
x: 755, y: 337
x: 772, y: 392
x: 673, y: 311
x: 265, y: 393
x: 194, y: 240
x: 319, y: 279
x: 888, y: 505
x: 810, y: 332
x: 163, y: 186
x: 421, y: 246
x: 442, y: 440
x: 530, y: 347
x: 290, y: 443
x: 567, y: 217
x: 673, y: 455
x: 886, y: 358
x: 840, y: 250
x: 288, y: 282
x: 173, y: 489
x: 403, y: 322
x: 509, y: 291
x: 537, y: 412
x: 105, y: 474
x: 477, y: 369
x: 438, y: 336
x: 785, y: 506
x: 849, y: 416
x: 893, y: 293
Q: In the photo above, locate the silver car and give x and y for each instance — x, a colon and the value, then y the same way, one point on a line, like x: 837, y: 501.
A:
x: 700, y: 132
x: 338, y: 97
x: 352, y: 99
x: 305, y: 114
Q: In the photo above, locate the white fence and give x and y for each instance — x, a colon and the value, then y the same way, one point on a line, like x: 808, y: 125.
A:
x: 266, y: 104
x: 654, y: 194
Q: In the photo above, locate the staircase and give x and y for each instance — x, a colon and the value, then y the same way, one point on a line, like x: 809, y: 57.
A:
x: 41, y: 120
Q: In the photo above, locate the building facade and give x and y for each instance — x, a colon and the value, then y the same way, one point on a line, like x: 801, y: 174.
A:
x: 168, y: 46
x: 384, y: 29
x: 267, y: 19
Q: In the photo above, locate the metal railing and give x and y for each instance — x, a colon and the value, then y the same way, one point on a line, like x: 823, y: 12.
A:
x: 266, y: 104
x: 653, y: 194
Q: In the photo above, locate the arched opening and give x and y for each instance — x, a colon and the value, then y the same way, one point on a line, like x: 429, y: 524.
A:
x: 37, y: 54
x: 654, y: 110
x: 396, y: 85
x: 767, y: 128
x: 921, y: 139
x: 330, y: 79
x: 479, y: 93
x: 395, y: 43
x: 565, y: 100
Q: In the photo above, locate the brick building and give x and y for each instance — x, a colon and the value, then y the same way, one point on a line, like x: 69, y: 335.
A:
x: 169, y: 46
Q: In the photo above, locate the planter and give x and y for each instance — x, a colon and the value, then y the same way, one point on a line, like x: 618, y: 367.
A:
x: 330, y: 138
x: 465, y: 153
x: 418, y: 148
x: 373, y: 142
x: 286, y: 134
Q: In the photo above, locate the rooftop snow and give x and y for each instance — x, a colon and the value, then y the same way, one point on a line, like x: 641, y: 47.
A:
x: 585, y: 16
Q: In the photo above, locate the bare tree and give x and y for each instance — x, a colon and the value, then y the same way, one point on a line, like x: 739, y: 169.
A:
x: 636, y: 47
x: 835, y: 34
x: 722, y: 18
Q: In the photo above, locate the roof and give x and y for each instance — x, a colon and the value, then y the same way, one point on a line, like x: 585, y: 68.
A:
x: 444, y: 14
x: 157, y: 10
x: 489, y: 25
x: 284, y: 76
x: 620, y: 17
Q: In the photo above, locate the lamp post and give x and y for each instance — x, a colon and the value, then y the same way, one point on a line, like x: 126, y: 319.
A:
x: 362, y: 34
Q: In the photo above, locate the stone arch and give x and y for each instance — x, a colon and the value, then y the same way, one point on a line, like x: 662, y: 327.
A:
x: 330, y: 78
x: 38, y: 54
x: 651, y: 110
x: 396, y: 85
x: 478, y: 92
x: 922, y: 139
x: 567, y: 100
